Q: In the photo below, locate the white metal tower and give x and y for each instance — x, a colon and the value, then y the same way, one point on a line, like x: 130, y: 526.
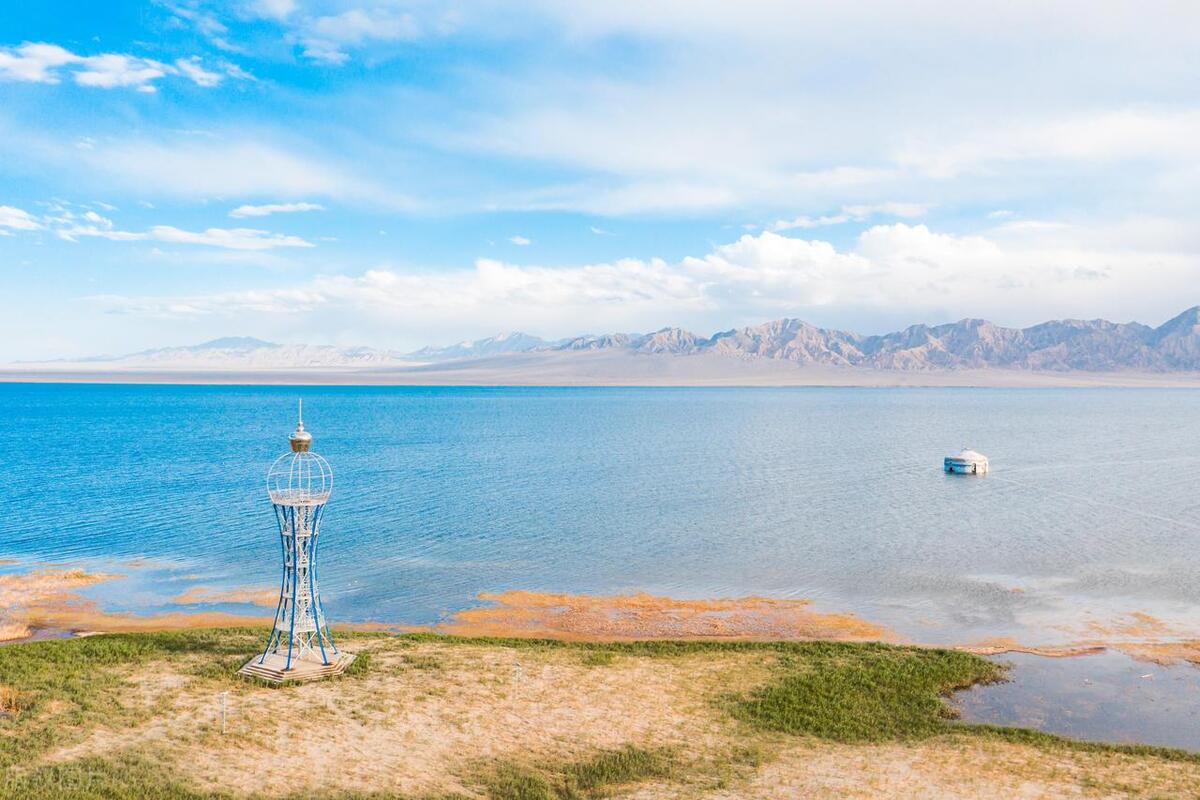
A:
x: 299, y: 646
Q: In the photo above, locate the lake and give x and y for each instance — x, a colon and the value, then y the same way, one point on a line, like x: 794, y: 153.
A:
x: 1090, y: 513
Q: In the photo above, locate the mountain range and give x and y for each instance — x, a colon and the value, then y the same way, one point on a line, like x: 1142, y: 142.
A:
x: 969, y: 344
x: 1059, y: 345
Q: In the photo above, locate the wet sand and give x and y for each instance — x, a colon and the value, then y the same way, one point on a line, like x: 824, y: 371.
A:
x: 247, y: 596
x: 644, y: 616
x: 50, y: 599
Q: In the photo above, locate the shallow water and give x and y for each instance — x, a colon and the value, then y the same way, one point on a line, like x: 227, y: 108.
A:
x: 833, y: 494
x: 1108, y: 697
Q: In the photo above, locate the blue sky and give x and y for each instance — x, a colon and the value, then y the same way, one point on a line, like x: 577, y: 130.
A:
x: 403, y: 173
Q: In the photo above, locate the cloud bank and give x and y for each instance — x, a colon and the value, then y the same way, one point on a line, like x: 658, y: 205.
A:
x: 891, y: 270
x: 39, y: 62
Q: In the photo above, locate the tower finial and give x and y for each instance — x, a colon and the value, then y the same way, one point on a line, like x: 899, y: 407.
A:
x: 301, y: 440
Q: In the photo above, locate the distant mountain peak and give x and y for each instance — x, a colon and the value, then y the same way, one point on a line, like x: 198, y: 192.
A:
x: 1096, y: 345
x: 234, y: 343
x: 500, y: 344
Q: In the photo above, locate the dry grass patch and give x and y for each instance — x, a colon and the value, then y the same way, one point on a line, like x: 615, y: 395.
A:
x: 950, y: 768
x: 138, y: 716
x: 424, y: 712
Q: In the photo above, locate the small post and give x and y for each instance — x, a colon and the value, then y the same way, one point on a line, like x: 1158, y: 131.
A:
x: 223, y: 696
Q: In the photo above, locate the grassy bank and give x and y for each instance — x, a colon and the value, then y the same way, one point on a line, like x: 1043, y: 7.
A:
x: 136, y: 715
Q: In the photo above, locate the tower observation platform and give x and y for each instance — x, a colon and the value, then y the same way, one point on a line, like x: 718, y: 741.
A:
x: 299, y: 646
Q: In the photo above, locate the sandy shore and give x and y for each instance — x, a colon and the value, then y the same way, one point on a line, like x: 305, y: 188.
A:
x: 47, y: 601
x: 597, y: 369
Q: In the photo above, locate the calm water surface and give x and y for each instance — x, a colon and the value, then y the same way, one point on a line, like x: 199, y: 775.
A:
x: 1107, y: 697
x: 1092, y: 510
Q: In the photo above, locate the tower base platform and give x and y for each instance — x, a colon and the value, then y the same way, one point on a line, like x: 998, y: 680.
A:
x: 271, y: 669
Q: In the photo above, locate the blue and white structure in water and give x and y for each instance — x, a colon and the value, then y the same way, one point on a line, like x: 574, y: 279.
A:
x: 299, y: 647
x: 967, y: 462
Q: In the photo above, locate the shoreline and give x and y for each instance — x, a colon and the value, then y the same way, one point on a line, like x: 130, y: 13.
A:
x: 47, y: 602
x: 600, y: 370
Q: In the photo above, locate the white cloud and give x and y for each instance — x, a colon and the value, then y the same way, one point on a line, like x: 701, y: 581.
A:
x: 17, y: 219
x: 230, y: 238
x: 273, y: 208
x: 891, y: 209
x: 805, y: 222
x: 204, y: 22
x: 520, y: 241
x: 275, y: 9
x: 855, y: 104
x: 225, y: 238
x: 97, y: 219
x: 325, y: 38
x: 112, y: 70
x: 217, y: 166
x: 891, y: 271
x: 36, y: 62
x: 191, y: 68
x: 1099, y: 138
x: 853, y: 213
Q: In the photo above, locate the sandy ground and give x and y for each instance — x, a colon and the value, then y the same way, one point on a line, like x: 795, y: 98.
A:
x: 941, y: 770
x: 602, y: 368
x: 423, y: 715
x: 427, y: 715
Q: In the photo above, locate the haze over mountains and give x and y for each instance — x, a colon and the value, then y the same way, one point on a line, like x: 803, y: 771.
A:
x: 970, y: 344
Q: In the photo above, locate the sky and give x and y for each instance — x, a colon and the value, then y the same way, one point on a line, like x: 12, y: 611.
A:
x: 396, y: 174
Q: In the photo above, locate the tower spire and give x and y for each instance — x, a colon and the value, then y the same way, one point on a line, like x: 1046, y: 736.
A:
x: 300, y: 439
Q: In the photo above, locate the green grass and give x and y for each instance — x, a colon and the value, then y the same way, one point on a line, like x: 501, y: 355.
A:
x: 863, y: 692
x: 119, y: 777
x: 598, y: 658
x: 53, y: 693
x: 577, y: 780
x: 78, y: 679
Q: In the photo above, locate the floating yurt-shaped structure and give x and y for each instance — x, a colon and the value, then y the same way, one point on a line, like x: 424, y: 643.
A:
x: 967, y: 462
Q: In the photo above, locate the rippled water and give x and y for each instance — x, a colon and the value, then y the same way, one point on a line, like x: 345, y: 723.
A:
x: 834, y: 494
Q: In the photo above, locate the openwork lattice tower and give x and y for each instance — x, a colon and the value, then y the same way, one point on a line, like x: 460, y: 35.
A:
x: 299, y: 646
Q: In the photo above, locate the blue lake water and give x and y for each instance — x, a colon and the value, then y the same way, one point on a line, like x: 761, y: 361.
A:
x: 1092, y: 510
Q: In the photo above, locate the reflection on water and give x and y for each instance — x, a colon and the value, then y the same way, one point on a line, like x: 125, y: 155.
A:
x: 1107, y: 697
x: 442, y: 493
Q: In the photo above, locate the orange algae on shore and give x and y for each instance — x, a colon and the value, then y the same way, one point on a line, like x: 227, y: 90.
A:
x: 48, y: 599
x: 246, y: 595
x: 1001, y: 644
x: 1164, y: 653
x: 582, y: 617
x: 26, y: 596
